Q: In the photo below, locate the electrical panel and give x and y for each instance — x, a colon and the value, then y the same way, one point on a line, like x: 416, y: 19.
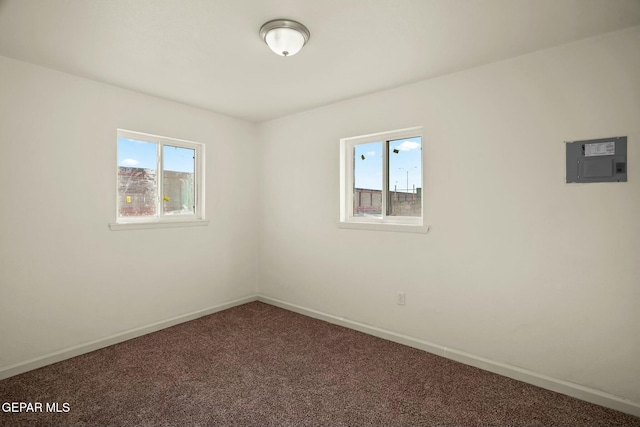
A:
x: 597, y: 160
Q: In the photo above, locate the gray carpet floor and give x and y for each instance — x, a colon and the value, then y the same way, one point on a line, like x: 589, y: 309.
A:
x: 259, y: 365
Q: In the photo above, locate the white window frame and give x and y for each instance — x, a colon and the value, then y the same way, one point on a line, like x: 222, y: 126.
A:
x: 161, y: 220
x: 385, y: 222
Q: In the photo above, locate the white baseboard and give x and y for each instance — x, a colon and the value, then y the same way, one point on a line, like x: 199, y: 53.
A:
x: 67, y: 353
x: 574, y: 390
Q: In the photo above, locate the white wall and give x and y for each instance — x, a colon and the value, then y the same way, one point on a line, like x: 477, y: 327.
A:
x: 519, y: 267
x: 66, y: 279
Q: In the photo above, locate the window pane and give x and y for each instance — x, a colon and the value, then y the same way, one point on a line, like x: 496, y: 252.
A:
x: 405, y: 176
x: 178, y: 180
x: 137, y: 178
x: 367, y: 179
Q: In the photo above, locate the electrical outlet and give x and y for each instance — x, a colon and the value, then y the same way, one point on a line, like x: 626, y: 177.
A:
x: 400, y: 298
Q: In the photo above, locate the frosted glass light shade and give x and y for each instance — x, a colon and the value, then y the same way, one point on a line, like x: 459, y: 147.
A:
x: 284, y: 37
x: 284, y: 41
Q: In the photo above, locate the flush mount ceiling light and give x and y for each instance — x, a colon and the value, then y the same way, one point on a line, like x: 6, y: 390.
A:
x: 284, y: 37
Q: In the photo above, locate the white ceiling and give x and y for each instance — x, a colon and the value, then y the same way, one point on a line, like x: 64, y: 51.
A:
x: 207, y: 53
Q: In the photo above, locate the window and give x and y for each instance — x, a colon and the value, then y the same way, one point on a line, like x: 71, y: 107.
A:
x: 381, y: 181
x: 159, y: 180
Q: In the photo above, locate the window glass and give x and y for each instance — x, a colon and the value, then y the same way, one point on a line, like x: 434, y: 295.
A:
x: 178, y: 180
x: 367, y: 179
x: 405, y: 177
x: 137, y: 178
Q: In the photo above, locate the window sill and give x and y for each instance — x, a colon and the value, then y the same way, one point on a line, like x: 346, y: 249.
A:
x: 375, y: 226
x: 120, y: 226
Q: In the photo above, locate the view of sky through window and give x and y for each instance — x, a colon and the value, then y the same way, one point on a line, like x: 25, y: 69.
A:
x: 368, y: 166
x: 405, y: 165
x: 142, y: 154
